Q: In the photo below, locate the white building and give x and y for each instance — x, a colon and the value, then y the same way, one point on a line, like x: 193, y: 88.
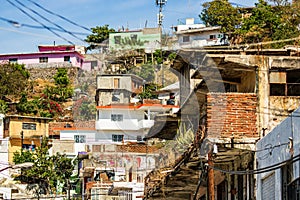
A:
x: 191, y: 35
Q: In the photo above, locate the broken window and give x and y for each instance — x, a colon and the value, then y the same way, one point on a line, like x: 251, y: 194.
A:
x: 285, y: 83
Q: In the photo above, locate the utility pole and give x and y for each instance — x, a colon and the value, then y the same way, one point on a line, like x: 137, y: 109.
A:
x: 211, y: 178
x: 160, y: 4
x: 22, y: 140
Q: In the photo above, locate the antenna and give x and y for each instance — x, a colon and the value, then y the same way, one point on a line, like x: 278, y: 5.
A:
x: 160, y: 4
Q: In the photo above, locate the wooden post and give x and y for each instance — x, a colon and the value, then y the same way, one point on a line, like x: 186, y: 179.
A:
x: 211, y: 178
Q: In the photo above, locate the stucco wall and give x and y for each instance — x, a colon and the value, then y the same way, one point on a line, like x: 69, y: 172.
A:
x: 27, y: 59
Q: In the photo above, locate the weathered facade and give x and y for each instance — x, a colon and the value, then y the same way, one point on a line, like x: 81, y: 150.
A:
x: 242, y: 97
x: 277, y: 157
x: 24, y: 132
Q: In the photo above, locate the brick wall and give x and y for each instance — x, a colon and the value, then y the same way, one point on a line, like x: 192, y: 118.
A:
x: 232, y: 114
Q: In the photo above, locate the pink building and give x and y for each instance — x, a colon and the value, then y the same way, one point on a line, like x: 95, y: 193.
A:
x: 49, y: 56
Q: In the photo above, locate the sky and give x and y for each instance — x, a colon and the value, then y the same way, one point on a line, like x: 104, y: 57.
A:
x: 38, y: 21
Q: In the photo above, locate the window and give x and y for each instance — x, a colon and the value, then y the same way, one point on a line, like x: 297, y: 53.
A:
x: 212, y: 37
x: 43, y: 59
x: 28, y: 126
x: 139, y: 138
x: 133, y: 37
x: 67, y: 59
x: 30, y: 147
x: 13, y: 60
x: 94, y: 64
x: 116, y: 117
x: 185, y: 38
x: 117, y: 39
x: 115, y: 97
x: 285, y: 83
x: 116, y: 83
x: 117, y: 138
x: 79, y: 138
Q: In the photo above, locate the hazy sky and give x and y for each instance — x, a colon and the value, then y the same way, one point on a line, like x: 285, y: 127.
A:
x: 133, y: 14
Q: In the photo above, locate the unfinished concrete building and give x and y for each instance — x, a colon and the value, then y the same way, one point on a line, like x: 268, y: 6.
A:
x: 242, y: 95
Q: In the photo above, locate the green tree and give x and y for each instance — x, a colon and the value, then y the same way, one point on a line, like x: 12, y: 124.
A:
x: 271, y: 23
x: 84, y: 109
x: 99, y: 34
x: 147, y: 72
x: 46, y: 171
x: 3, y: 107
x: 148, y: 92
x: 62, y: 89
x: 221, y: 13
x: 262, y: 23
x: 13, y: 80
x: 27, y: 107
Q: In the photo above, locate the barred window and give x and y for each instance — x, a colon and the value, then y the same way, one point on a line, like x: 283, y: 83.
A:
x: 29, y: 126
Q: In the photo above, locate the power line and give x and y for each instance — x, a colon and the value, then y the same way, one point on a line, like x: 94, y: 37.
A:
x: 49, y: 21
x: 62, y: 17
x: 18, y: 24
x: 26, y: 33
x: 261, y: 170
x: 23, y: 11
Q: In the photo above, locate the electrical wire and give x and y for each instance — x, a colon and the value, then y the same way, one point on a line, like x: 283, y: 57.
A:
x: 18, y: 24
x: 27, y: 14
x: 46, y: 19
x: 27, y: 33
x: 62, y: 17
x: 261, y: 170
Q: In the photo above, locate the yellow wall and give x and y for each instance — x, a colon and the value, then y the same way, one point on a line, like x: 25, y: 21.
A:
x: 29, y: 136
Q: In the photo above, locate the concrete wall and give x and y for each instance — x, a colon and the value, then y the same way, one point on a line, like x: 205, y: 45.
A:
x: 275, y: 148
x: 4, y: 154
x: 30, y: 136
x: 146, y: 39
x: 99, y: 137
x: 200, y: 39
x: 248, y: 83
x: 26, y: 59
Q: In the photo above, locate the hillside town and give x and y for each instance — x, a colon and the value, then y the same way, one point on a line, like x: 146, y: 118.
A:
x: 196, y: 115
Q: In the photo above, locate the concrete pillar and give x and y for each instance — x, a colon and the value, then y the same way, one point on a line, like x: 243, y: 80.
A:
x: 184, y: 83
